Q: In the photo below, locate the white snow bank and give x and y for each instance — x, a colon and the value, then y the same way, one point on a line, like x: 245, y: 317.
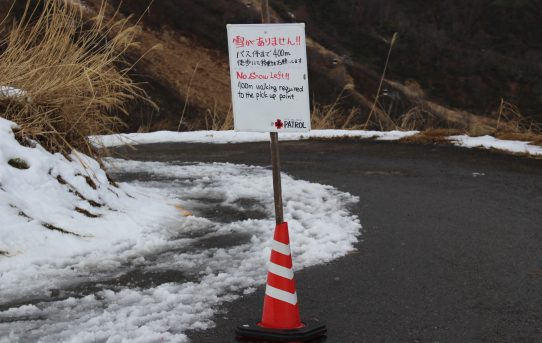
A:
x: 44, y: 222
x: 489, y: 142
x: 222, y: 137
x: 217, y: 258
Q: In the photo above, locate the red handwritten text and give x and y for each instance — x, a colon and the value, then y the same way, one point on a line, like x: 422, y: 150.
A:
x: 242, y: 42
x: 257, y: 76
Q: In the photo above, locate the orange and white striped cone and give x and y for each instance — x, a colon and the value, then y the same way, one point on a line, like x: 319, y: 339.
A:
x: 280, y: 318
x: 280, y: 308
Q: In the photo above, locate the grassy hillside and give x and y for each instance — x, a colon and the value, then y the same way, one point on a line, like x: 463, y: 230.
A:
x: 462, y: 65
x: 465, y: 54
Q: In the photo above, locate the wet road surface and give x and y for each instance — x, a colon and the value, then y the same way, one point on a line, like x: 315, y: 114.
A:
x: 451, y: 249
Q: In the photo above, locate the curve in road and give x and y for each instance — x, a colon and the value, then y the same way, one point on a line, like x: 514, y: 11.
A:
x: 451, y: 249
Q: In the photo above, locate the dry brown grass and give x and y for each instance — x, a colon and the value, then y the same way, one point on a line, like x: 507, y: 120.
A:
x: 325, y: 116
x: 187, y: 97
x: 435, y: 122
x: 333, y: 115
x: 216, y: 121
x: 369, y: 117
x: 510, y: 114
x: 512, y: 125
x: 432, y: 136
x: 509, y: 124
x: 417, y: 118
x: 72, y: 72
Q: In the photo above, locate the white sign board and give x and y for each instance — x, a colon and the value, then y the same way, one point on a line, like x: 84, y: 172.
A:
x: 269, y: 80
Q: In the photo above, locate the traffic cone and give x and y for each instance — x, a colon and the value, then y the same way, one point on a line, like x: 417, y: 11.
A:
x: 280, y: 317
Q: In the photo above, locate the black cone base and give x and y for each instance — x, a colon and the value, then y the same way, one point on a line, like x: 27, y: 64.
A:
x: 254, y: 332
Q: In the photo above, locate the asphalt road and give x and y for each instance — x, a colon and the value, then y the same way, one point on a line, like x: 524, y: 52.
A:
x: 451, y: 248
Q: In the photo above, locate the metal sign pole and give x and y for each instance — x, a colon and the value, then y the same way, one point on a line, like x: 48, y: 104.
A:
x: 275, y: 156
x: 277, y: 188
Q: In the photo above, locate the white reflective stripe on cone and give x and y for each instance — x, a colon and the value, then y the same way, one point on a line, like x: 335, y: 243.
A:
x: 279, y: 294
x: 280, y: 270
x: 281, y: 247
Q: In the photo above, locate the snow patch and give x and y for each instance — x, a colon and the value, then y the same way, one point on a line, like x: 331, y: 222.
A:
x: 59, y: 213
x: 11, y: 92
x: 489, y: 142
x: 223, y: 137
